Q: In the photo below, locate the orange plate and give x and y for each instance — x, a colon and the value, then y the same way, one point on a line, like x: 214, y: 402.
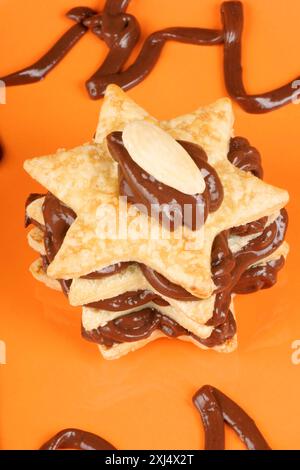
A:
x: 53, y: 379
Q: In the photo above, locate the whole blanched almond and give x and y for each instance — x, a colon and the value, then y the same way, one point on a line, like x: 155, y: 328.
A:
x: 161, y: 156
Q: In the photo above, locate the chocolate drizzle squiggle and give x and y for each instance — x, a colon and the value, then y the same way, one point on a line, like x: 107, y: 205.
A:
x: 215, y: 408
x: 121, y: 31
x: 45, y: 64
x: 232, y: 17
x: 77, y: 439
x: 149, y: 55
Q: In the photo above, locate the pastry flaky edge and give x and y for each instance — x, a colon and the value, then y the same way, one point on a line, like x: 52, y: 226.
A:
x: 85, y: 179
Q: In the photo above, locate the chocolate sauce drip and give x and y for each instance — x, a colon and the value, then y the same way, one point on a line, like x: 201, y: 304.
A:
x: 260, y: 247
x: 259, y: 277
x: 45, y: 64
x: 221, y: 332
x: 255, y: 250
x: 221, y: 308
x: 215, y: 408
x: 128, y: 300
x: 222, y: 261
x: 1, y: 152
x: 58, y: 218
x: 242, y: 155
x: 141, y: 324
x: 232, y: 17
x: 77, y: 439
x: 164, y: 203
x: 32, y: 197
x: 222, y: 266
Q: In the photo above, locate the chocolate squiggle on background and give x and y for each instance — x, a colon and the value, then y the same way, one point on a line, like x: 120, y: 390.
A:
x: 77, y: 439
x: 1, y: 152
x: 51, y: 59
x: 233, y: 19
x: 121, y: 31
x: 215, y: 408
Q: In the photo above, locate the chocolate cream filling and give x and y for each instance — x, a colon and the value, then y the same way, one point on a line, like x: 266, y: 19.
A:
x: 231, y: 272
x: 141, y: 324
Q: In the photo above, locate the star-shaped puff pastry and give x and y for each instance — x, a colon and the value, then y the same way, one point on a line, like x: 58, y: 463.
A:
x: 86, y: 178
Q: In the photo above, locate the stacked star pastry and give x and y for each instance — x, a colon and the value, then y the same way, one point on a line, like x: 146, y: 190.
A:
x: 155, y: 225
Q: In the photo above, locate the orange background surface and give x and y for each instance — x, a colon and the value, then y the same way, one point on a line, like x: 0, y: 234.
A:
x: 53, y: 379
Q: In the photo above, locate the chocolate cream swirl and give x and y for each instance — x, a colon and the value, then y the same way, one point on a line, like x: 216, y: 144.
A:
x: 161, y: 201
